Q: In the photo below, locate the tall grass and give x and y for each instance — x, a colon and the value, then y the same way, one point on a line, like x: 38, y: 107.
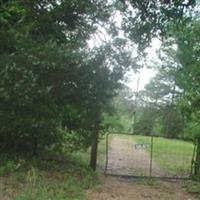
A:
x: 38, y: 179
x: 173, y: 156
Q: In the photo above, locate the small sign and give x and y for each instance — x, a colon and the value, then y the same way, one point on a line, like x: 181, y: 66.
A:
x: 142, y: 146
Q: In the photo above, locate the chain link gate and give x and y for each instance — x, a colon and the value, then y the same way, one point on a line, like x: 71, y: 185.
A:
x: 148, y: 156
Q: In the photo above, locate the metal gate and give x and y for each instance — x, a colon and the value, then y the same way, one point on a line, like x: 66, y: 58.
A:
x: 148, y: 156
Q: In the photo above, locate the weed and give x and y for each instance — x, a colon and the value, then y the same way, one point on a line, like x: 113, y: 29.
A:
x: 38, y: 179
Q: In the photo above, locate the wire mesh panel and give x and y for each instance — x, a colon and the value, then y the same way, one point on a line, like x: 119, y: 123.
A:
x: 128, y: 156
x: 136, y: 155
x: 173, y: 157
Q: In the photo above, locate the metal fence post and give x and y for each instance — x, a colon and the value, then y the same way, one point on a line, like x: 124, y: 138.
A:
x: 197, y: 160
x: 151, y: 157
x: 106, y: 154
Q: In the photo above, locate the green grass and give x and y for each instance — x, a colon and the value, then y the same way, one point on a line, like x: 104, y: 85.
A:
x: 101, y: 157
x: 171, y: 155
x: 192, y: 187
x: 36, y: 179
x: 68, y: 178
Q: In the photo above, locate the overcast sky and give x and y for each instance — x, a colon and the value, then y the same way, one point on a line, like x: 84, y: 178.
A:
x: 147, y: 72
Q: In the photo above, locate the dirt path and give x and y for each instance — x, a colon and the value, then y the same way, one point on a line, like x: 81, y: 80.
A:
x: 119, y: 189
x: 126, y: 159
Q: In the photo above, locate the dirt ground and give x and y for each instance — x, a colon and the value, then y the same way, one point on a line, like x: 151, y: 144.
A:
x: 125, y: 159
x: 122, y: 189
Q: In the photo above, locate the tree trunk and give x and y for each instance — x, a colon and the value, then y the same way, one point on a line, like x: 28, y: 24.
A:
x: 34, y: 144
x: 94, y: 149
x: 197, y: 160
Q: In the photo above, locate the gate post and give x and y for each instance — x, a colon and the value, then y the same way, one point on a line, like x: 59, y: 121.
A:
x: 197, y: 159
x: 106, y: 166
x: 151, y: 158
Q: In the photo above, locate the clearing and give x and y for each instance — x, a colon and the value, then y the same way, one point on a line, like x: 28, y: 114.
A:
x: 144, y: 156
x: 123, y: 160
x: 70, y: 178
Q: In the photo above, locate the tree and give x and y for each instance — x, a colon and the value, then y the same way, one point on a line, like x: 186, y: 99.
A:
x: 188, y: 42
x: 37, y: 83
x: 118, y: 117
x: 161, y: 97
x: 52, y: 86
x: 144, y: 20
x: 186, y: 56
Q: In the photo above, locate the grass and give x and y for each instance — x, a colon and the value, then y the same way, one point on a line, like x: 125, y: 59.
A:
x: 101, y: 161
x: 36, y: 179
x: 22, y: 178
x: 68, y: 178
x: 171, y: 155
x: 192, y: 187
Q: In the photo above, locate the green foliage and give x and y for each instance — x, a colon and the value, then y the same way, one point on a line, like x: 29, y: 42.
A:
x: 117, y: 123
x: 188, y: 78
x: 192, y: 129
x: 161, y: 112
x: 112, y: 122
x: 9, y: 167
x: 66, y: 178
x: 185, y: 58
x: 119, y: 116
x: 145, y: 120
x: 148, y: 19
x: 172, y: 125
x: 193, y: 187
x: 171, y: 155
x: 48, y: 78
x: 53, y: 88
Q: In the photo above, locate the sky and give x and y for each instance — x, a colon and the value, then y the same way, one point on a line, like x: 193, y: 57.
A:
x: 143, y: 77
x: 147, y: 72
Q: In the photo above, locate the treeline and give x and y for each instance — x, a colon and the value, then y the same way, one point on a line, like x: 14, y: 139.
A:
x: 169, y: 104
x: 173, y: 95
x: 53, y: 87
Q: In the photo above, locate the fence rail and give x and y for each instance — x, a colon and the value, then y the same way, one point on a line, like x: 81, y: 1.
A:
x: 148, y: 156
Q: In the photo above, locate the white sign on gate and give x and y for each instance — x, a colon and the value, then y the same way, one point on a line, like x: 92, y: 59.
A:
x: 143, y: 146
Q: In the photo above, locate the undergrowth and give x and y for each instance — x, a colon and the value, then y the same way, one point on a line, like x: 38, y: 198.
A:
x: 22, y: 178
